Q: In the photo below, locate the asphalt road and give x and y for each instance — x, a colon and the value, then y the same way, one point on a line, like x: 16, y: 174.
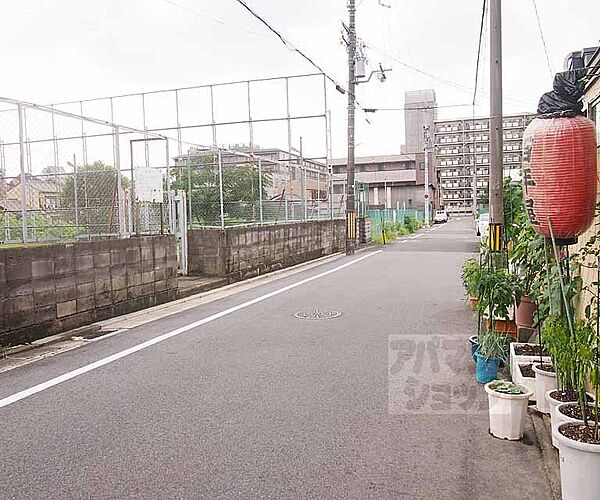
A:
x: 380, y: 402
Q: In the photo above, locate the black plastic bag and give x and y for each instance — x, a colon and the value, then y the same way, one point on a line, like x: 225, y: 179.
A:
x: 565, y: 99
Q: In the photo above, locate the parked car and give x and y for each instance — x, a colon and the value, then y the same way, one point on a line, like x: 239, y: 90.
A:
x: 440, y: 217
x: 483, y: 222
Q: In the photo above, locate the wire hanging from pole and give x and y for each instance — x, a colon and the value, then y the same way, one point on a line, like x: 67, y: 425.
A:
x: 543, y: 39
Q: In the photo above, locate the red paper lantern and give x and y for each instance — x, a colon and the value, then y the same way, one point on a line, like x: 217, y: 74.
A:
x: 559, y: 176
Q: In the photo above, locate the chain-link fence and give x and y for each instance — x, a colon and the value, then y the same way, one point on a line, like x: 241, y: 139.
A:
x: 229, y: 188
x: 66, y: 177
x: 113, y: 167
x: 392, y: 216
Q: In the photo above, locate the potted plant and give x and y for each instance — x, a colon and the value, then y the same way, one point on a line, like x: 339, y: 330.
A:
x: 470, y: 277
x: 578, y: 439
x: 507, y: 408
x: 491, y: 351
x: 527, y: 261
x: 497, y: 291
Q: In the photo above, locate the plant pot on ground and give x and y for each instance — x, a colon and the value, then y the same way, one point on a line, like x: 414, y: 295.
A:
x: 507, y: 408
x: 545, y: 381
x: 471, y: 276
x: 556, y: 397
x: 579, y: 460
x: 491, y: 351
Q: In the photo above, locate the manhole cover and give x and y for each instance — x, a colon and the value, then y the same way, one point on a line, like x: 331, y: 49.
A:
x: 316, y: 314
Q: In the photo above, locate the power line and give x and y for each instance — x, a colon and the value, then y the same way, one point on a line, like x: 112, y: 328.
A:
x: 289, y: 45
x: 459, y: 86
x: 416, y: 108
x: 206, y: 16
x: 543, y: 39
x: 479, y: 50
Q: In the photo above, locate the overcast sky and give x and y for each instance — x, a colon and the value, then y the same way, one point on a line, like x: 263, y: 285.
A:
x: 71, y: 49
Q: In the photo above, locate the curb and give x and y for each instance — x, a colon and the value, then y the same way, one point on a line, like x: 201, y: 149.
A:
x: 541, y: 427
x: 53, y: 339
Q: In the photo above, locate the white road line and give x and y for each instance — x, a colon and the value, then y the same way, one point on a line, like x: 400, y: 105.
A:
x: 165, y: 336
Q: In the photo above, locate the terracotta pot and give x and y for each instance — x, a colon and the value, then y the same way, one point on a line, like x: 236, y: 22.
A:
x: 473, y: 301
x: 524, y: 313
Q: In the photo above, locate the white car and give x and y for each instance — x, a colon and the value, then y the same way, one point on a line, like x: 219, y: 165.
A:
x: 482, y: 225
x: 440, y: 216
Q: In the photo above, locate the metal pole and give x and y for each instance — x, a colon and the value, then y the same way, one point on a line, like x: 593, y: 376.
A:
x: 212, y: 116
x: 496, y: 194
x: 260, y: 190
x: 170, y: 198
x: 120, y: 194
x: 318, y: 195
x: 189, y: 189
x: 132, y: 226
x: 303, y: 174
x: 75, y: 195
x: 426, y: 195
x: 350, y: 210
x: 250, y: 127
x: 289, y: 131
x: 221, y: 189
x: 22, y: 153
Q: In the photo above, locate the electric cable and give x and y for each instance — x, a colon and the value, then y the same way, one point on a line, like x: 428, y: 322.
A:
x: 543, y: 39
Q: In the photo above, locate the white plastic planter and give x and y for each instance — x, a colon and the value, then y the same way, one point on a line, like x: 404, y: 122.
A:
x: 544, y: 382
x: 527, y: 382
x: 579, y: 466
x: 516, y: 359
x: 507, y: 413
x: 553, y: 404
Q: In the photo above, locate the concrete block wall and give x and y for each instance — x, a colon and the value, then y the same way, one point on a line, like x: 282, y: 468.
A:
x: 48, y: 289
x: 238, y: 253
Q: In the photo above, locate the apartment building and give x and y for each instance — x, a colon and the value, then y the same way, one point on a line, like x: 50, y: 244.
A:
x: 391, y: 180
x: 462, y: 159
x: 289, y: 175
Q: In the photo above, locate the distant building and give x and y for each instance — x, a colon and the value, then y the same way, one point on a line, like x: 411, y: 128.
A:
x: 392, y: 180
x: 42, y: 192
x: 462, y: 157
x: 420, y: 110
x: 284, y: 168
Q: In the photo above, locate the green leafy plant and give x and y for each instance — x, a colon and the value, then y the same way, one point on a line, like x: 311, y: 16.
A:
x: 4, y: 350
x: 497, y: 289
x: 506, y: 387
x: 493, y: 345
x: 471, y: 277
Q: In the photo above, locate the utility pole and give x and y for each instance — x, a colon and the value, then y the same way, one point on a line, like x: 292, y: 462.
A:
x: 350, y: 208
x: 426, y: 195
x: 496, y: 169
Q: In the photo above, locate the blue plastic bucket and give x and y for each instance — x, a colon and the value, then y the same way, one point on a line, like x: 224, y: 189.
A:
x: 486, y: 369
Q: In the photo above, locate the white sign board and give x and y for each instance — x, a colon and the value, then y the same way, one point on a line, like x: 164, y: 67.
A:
x: 148, y: 185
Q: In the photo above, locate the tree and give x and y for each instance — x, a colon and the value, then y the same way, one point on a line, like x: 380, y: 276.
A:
x: 241, y: 190
x: 92, y: 192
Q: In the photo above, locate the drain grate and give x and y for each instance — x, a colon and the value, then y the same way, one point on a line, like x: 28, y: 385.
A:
x: 316, y: 314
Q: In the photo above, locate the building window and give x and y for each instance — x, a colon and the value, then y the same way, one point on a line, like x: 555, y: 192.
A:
x: 422, y: 165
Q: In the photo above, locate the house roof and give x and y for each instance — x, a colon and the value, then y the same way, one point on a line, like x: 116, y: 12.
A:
x: 365, y: 160
x: 10, y: 205
x: 44, y: 184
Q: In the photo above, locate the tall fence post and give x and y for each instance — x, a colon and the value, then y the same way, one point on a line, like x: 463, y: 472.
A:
x: 22, y: 153
x: 120, y: 194
x: 220, y: 160
x: 170, y: 197
x: 260, y: 191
